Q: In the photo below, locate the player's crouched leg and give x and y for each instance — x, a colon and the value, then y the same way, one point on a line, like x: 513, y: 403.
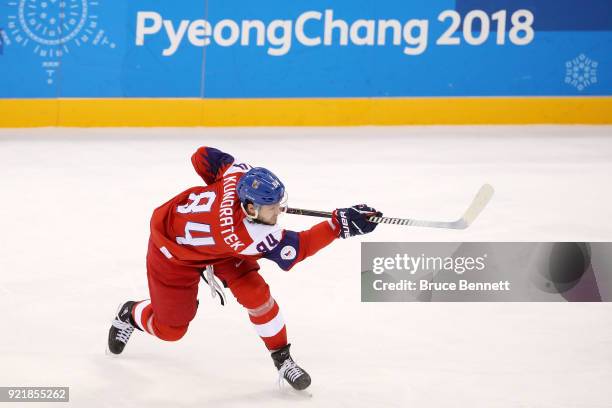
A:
x: 146, y: 320
x: 170, y: 333
x: 174, y: 292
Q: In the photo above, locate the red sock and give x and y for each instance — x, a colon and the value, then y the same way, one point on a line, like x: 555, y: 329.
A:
x: 269, y: 324
x: 142, y: 313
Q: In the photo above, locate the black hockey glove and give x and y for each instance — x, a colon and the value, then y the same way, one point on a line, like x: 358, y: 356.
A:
x: 354, y: 221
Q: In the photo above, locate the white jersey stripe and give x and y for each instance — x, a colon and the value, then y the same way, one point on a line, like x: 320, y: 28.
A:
x: 236, y: 169
x: 258, y: 233
x: 165, y: 251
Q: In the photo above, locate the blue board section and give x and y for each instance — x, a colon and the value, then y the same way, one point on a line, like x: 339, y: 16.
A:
x: 358, y: 48
x: 560, y: 15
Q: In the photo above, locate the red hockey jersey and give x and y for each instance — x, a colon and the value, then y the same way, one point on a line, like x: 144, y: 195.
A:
x: 206, y: 224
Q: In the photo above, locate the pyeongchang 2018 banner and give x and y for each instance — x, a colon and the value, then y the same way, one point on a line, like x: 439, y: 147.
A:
x: 357, y: 48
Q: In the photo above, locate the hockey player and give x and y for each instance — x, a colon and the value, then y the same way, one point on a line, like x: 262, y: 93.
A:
x: 220, y: 231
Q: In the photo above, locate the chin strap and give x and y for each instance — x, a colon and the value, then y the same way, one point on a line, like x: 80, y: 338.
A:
x: 249, y: 216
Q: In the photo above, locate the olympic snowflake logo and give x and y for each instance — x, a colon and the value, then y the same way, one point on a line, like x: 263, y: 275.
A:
x: 581, y: 72
x: 51, y: 27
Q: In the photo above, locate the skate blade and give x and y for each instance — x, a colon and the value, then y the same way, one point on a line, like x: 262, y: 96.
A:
x: 110, y: 353
x: 306, y: 394
x: 288, y: 391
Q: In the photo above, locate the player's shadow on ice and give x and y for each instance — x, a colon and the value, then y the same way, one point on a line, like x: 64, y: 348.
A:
x: 151, y: 380
x: 273, y: 393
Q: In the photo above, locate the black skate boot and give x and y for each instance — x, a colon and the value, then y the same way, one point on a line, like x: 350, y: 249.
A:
x: 122, y: 328
x: 289, y: 370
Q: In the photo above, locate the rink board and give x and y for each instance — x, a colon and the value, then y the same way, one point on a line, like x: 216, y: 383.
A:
x: 190, y: 63
x: 303, y: 112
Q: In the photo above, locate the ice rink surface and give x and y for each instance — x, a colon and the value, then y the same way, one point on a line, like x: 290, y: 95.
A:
x: 75, y: 214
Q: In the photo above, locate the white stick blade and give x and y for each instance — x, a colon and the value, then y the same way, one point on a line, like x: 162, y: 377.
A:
x: 481, y: 200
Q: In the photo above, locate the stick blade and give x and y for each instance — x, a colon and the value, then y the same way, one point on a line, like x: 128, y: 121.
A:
x: 481, y: 200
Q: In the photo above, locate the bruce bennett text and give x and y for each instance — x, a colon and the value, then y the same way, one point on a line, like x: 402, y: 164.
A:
x: 424, y: 284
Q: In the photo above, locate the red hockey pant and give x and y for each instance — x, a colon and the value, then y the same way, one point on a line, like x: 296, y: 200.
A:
x: 173, y: 301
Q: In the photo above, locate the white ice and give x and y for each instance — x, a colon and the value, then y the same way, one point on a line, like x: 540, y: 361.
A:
x: 74, y: 222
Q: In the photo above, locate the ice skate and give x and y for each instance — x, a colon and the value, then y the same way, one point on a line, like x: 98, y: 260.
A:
x: 289, y: 370
x: 122, y: 328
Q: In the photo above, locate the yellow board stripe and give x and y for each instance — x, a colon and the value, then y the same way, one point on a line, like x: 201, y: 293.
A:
x: 307, y: 112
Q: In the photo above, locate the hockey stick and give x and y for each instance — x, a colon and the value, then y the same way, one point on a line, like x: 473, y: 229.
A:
x: 478, y: 204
